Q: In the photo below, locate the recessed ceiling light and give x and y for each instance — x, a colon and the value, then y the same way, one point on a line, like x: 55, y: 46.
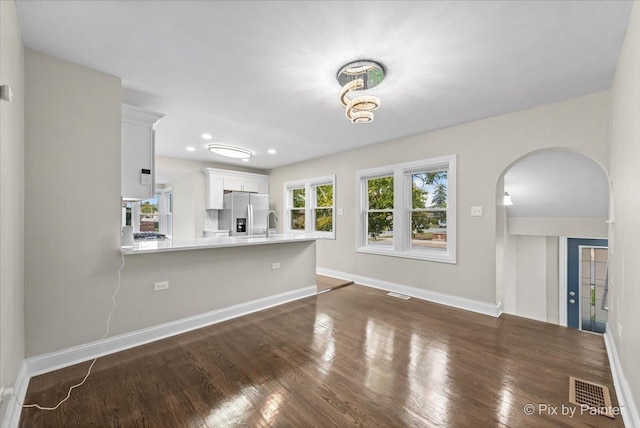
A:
x: 272, y: 151
x: 230, y: 151
x: 191, y: 149
x: 245, y: 160
x: 206, y: 136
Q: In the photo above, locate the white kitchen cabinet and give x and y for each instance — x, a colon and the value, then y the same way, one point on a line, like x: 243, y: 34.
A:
x: 219, y: 181
x: 214, y: 192
x: 137, y: 153
x: 232, y: 184
x: 241, y: 184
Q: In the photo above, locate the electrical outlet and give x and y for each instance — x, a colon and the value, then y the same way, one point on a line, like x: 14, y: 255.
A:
x: 340, y: 211
x: 476, y: 211
x: 275, y: 266
x: 159, y: 286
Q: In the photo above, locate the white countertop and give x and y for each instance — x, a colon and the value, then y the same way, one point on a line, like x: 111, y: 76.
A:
x: 144, y: 247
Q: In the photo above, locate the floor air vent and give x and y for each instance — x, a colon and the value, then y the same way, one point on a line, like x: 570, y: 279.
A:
x: 591, y: 394
x: 398, y: 296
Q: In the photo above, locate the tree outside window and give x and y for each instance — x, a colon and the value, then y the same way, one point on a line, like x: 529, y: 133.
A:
x: 298, y: 209
x: 429, y: 209
x: 324, y: 208
x: 380, y: 211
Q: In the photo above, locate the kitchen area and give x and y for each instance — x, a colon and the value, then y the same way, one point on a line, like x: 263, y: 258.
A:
x: 173, y: 199
x: 204, y: 234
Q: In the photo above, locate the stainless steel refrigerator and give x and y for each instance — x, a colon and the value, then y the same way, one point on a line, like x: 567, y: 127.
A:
x: 244, y: 214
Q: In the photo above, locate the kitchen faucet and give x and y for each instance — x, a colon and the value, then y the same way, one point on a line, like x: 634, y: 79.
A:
x: 275, y: 214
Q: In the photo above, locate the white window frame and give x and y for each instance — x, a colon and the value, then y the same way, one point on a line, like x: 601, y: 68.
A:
x: 309, y: 186
x: 402, y: 207
x: 166, y: 216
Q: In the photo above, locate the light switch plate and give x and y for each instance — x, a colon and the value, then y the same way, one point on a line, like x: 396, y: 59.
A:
x: 340, y: 211
x: 476, y: 211
x: 160, y: 286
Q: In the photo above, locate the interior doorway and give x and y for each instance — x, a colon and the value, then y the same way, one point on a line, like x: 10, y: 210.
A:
x: 587, y: 286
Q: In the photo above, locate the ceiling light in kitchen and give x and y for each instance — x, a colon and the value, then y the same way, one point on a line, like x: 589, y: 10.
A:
x: 360, y: 76
x: 191, y: 149
x: 272, y: 151
x: 245, y: 160
x: 206, y: 136
x: 230, y: 151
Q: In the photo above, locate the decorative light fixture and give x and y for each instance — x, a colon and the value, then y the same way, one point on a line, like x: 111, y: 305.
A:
x: 360, y: 76
x: 230, y: 151
x: 506, y: 199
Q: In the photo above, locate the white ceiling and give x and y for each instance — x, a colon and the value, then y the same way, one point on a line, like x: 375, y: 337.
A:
x: 556, y: 183
x: 262, y: 74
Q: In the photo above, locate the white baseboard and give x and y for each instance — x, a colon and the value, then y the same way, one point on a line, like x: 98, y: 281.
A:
x: 12, y: 417
x: 78, y: 354
x: 499, y: 309
x: 480, y: 307
x: 623, y: 392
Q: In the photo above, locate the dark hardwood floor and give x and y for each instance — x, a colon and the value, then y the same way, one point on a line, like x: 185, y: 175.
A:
x: 351, y: 357
x: 326, y: 283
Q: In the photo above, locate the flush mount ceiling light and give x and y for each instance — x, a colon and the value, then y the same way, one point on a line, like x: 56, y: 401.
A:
x: 360, y: 76
x: 506, y: 199
x: 206, y: 136
x: 230, y: 151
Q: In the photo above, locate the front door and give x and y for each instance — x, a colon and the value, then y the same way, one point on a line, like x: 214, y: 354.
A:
x: 586, y: 284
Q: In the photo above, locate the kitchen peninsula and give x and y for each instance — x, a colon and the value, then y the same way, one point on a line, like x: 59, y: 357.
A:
x: 210, y: 280
x: 155, y: 246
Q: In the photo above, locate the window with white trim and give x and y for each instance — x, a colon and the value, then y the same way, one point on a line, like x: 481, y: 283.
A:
x: 151, y: 215
x: 310, y: 206
x: 408, y: 210
x: 165, y: 209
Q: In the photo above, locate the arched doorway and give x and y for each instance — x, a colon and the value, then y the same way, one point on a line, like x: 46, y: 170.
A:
x: 556, y: 194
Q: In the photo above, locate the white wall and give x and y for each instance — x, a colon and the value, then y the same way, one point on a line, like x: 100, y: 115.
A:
x: 531, y: 266
x: 577, y: 227
x: 184, y: 193
x: 485, y: 149
x: 531, y: 277
x: 553, y: 288
x: 11, y: 199
x: 624, y: 248
x: 72, y: 201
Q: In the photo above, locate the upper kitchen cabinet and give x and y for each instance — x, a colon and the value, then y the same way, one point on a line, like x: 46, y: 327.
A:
x: 220, y: 180
x: 138, y: 153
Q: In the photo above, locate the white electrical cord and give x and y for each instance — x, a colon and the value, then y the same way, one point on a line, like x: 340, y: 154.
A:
x: 106, y: 333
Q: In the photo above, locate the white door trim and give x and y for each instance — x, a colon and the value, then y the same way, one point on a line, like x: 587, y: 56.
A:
x: 562, y: 281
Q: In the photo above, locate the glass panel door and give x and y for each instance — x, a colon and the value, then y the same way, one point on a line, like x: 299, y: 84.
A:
x: 593, y: 283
